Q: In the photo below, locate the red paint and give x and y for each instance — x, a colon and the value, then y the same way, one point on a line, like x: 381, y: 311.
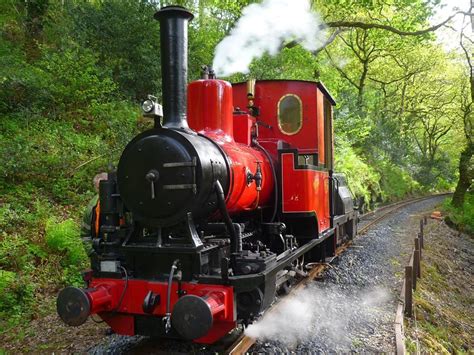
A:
x: 210, y: 106
x: 123, y: 324
x: 120, y: 316
x: 244, y: 124
x: 210, y: 113
x: 100, y: 299
x: 305, y: 190
x: 243, y: 159
x: 320, y: 124
x: 219, y: 329
x: 216, y: 302
x: 268, y: 93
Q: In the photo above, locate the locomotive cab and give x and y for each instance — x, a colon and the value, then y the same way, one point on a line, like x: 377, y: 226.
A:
x: 295, y: 124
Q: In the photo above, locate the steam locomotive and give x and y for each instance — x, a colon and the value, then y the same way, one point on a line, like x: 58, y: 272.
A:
x: 217, y: 207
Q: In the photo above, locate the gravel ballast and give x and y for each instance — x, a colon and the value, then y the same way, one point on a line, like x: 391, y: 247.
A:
x: 352, y: 307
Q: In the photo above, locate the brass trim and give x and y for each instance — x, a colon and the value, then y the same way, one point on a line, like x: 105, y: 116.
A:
x: 251, y: 86
x: 300, y: 118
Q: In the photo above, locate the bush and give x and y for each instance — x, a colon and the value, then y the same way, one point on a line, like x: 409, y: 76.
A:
x: 59, y: 156
x: 76, y: 80
x: 443, y: 184
x: 14, y: 252
x: 7, y: 281
x: 16, y: 297
x: 362, y: 179
x: 395, y: 182
x: 63, y: 238
x: 463, y: 217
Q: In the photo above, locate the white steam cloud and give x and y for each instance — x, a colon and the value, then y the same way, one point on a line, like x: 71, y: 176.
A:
x: 264, y: 28
x: 325, y: 313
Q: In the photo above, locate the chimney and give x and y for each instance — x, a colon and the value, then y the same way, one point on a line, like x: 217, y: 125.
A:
x: 174, y: 63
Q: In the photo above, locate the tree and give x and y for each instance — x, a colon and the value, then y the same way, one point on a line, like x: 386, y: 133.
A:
x: 466, y: 168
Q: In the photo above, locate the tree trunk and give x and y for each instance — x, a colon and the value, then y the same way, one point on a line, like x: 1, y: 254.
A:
x: 465, y: 175
x: 35, y: 13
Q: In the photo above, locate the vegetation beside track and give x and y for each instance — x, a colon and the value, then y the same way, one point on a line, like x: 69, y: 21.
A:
x: 461, y: 218
x: 443, y: 314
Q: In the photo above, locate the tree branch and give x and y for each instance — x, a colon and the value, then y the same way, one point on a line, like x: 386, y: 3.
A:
x: 367, y: 26
x: 340, y: 71
x: 326, y: 43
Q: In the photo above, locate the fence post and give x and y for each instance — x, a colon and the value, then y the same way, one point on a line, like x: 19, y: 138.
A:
x: 418, y: 246
x: 408, y: 291
x: 414, y: 273
x: 421, y: 226
x: 425, y: 220
x: 422, y: 242
x: 416, y: 263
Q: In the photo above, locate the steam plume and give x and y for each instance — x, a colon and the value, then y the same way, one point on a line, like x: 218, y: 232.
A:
x: 325, y: 312
x: 264, y: 28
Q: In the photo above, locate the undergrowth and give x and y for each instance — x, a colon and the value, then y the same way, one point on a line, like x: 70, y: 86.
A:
x: 48, y: 163
x: 462, y: 218
x: 439, y: 330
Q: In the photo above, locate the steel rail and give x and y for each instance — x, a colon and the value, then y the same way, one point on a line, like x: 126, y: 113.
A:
x: 244, y: 342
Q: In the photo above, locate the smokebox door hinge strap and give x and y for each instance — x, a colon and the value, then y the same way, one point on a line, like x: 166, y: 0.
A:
x: 183, y: 164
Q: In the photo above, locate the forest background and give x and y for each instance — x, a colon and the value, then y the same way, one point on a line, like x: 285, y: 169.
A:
x: 72, y: 74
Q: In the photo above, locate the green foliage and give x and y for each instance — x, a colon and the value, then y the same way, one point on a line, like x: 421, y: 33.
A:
x: 442, y: 184
x: 463, y: 217
x: 63, y: 118
x: 75, y: 79
x: 16, y: 296
x: 14, y: 252
x: 63, y: 238
x: 7, y: 299
x: 363, y: 180
x: 395, y: 182
x: 125, y: 37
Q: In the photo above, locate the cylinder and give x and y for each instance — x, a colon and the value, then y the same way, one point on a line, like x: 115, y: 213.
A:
x: 174, y: 64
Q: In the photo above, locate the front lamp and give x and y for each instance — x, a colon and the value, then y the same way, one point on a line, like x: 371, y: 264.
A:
x: 147, y: 106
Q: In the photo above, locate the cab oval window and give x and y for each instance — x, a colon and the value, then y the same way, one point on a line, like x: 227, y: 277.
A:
x: 290, y: 118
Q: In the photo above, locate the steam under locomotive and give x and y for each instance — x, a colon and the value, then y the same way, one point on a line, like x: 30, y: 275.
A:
x: 217, y: 207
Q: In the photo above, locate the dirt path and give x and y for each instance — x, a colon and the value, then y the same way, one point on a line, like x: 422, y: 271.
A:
x: 49, y: 334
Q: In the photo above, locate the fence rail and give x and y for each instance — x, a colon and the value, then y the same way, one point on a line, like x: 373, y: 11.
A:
x: 412, y: 273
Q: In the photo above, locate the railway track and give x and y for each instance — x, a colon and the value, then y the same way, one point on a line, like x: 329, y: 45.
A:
x: 243, y: 343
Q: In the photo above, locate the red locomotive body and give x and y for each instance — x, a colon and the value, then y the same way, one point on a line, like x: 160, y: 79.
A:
x: 297, y: 115
x: 210, y: 112
x: 210, y: 211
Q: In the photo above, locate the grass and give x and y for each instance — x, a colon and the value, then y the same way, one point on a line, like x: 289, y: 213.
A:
x: 443, y: 303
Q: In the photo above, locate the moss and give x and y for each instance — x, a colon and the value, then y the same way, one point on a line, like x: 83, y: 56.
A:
x: 424, y: 308
x: 432, y: 344
x: 410, y: 346
x: 357, y: 343
x: 394, y: 262
x: 437, y: 280
x: 461, y: 218
x: 443, y: 298
x: 440, y: 328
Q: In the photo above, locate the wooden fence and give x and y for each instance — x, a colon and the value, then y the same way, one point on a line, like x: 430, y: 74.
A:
x: 412, y: 273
